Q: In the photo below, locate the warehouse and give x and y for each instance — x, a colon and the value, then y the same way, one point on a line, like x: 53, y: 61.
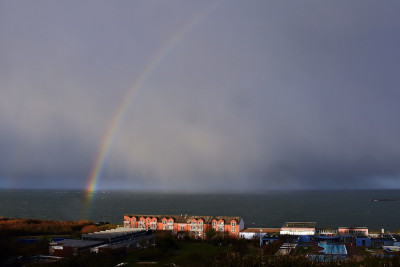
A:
x: 115, y: 239
x: 72, y: 247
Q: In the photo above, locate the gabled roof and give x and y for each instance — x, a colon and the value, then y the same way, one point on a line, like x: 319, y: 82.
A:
x: 188, y: 218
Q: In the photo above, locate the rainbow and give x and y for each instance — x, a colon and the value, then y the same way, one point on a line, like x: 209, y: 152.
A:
x: 109, y: 137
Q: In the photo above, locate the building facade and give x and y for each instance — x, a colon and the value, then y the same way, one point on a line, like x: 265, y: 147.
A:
x: 353, y: 231
x: 298, y: 228
x: 195, y: 226
x: 252, y: 233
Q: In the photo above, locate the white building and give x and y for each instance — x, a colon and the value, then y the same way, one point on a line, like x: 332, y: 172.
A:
x: 252, y: 233
x: 298, y: 228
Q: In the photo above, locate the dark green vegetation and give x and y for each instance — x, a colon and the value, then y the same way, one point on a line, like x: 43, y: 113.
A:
x: 86, y: 260
x: 33, y: 227
x: 230, y: 252
x: 303, y: 250
x: 169, y: 251
x: 182, y: 252
x: 21, y: 239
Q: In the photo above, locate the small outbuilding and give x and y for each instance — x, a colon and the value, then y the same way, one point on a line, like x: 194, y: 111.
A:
x: 364, y: 241
x: 268, y: 239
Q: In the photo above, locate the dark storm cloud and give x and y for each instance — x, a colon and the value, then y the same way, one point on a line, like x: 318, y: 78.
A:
x: 255, y: 96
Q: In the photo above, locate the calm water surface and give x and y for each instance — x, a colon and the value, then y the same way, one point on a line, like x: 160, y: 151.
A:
x: 271, y: 209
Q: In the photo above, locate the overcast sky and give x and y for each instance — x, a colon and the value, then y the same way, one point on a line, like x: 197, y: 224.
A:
x: 252, y: 95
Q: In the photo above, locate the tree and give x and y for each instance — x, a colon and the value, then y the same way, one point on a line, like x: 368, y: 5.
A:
x: 89, y: 229
x: 210, y: 234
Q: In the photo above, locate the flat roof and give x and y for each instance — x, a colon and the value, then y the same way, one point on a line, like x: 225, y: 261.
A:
x: 396, y: 237
x: 299, y: 225
x: 358, y: 227
x: 78, y: 243
x: 381, y: 239
x: 263, y: 230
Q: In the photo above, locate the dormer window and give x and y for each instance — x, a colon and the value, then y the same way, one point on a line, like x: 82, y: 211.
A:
x: 233, y: 224
x: 214, y: 223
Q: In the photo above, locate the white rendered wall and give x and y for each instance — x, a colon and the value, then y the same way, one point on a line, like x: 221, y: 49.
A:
x: 241, y: 225
x: 251, y: 235
x: 297, y: 232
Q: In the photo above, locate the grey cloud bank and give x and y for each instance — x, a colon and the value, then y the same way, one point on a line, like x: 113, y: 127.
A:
x: 255, y: 96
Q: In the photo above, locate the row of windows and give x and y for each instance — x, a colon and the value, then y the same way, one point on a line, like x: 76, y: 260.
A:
x: 354, y: 232
x: 233, y: 224
x: 148, y: 221
x: 233, y: 230
x: 164, y: 221
x: 182, y: 228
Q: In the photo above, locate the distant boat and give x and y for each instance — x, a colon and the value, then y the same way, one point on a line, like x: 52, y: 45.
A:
x: 385, y: 199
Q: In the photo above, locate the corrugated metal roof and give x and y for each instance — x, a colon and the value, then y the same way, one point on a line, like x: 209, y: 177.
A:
x: 113, y: 232
x: 78, y: 243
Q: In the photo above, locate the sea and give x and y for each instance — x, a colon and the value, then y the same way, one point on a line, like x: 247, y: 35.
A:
x: 375, y: 209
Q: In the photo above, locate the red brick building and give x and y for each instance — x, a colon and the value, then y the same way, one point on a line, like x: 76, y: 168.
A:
x: 196, y: 226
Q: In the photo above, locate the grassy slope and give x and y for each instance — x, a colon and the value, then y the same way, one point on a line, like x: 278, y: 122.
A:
x: 186, y: 253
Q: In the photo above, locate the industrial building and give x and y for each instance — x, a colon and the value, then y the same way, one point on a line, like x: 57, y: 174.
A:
x: 72, y: 247
x: 125, y: 236
x: 114, y: 240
